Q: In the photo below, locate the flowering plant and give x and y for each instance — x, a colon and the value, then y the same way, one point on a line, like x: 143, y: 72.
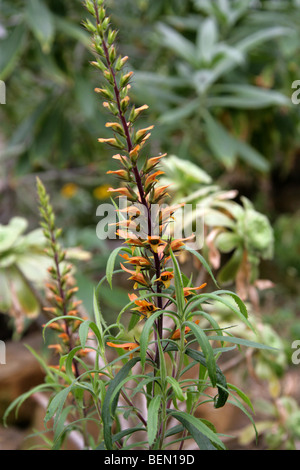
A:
x: 140, y: 381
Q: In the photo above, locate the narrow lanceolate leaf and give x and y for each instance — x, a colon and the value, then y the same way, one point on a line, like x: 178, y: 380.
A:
x: 242, y: 342
x: 40, y: 20
x: 152, y: 423
x: 144, y: 339
x: 202, y: 434
x: 221, y: 398
x: 111, y: 264
x: 207, y: 350
x: 84, y: 330
x: 178, y: 285
x: 97, y: 313
x: 240, y: 312
x: 108, y: 407
x: 176, y: 388
x: 203, y: 262
x: 56, y: 404
x: 11, y: 47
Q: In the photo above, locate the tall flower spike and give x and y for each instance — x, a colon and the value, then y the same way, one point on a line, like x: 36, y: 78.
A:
x: 140, y: 183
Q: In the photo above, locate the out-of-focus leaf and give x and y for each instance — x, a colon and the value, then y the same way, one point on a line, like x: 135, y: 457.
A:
x: 10, y: 233
x: 10, y: 48
x: 178, y: 114
x: 261, y: 36
x: 220, y: 141
x: 22, y: 295
x: 252, y: 157
x: 5, y: 296
x: 247, y: 97
x: 177, y: 42
x: 206, y: 40
x: 40, y: 20
x: 226, y: 241
x: 72, y: 30
x: 230, y: 269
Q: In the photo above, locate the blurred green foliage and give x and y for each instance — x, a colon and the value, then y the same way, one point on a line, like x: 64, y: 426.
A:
x: 208, y: 70
x: 216, y: 75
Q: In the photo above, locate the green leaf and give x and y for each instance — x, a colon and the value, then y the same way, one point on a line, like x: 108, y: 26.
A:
x: 178, y: 285
x: 148, y: 328
x: 207, y: 350
x: 152, y: 422
x: 176, y: 388
x: 263, y: 35
x: 252, y: 157
x: 242, y: 395
x: 229, y: 271
x: 111, y: 264
x: 242, y: 342
x: 40, y: 20
x: 108, y: 407
x: 203, y: 262
x: 72, y: 30
x: 56, y: 404
x: 227, y: 241
x: 222, y: 396
x: 220, y: 141
x: 10, y: 50
x: 206, y: 40
x: 120, y: 435
x: 178, y: 114
x: 240, y: 312
x: 177, y: 43
x: 83, y: 333
x: 202, y: 434
x: 97, y: 313
x: 17, y: 403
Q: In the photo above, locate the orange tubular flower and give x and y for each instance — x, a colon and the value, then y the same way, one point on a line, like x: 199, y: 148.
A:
x: 152, y: 178
x: 165, y: 278
x: 154, y: 242
x: 177, y: 333
x: 152, y: 162
x: 160, y: 192
x: 56, y: 347
x: 176, y: 245
x: 136, y: 276
x: 143, y: 306
x: 123, y: 174
x: 126, y: 346
x: 124, y: 192
x: 121, y: 158
x: 136, y: 260
x: 188, y: 290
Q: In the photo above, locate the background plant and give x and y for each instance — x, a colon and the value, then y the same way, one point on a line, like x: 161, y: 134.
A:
x: 165, y: 356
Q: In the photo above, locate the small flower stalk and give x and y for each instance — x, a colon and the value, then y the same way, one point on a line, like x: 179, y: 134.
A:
x: 63, y: 306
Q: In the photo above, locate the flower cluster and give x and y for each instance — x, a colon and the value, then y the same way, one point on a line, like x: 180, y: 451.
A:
x: 149, y: 250
x: 63, y: 306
